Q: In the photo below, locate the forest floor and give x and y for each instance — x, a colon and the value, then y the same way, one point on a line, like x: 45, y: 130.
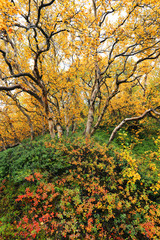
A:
x: 77, y: 188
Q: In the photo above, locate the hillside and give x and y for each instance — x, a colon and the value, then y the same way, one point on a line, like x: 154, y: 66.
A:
x: 76, y: 188
x: 79, y: 120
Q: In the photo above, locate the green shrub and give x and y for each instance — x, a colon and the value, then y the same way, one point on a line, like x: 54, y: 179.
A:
x: 98, y: 196
x: 17, y: 163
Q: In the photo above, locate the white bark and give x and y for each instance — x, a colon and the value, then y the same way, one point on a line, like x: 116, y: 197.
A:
x: 147, y: 112
x: 51, y: 127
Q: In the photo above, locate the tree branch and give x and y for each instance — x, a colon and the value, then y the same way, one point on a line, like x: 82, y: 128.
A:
x: 147, y: 112
x: 21, y: 75
x: 6, y: 60
x: 41, y: 7
x: 18, y: 86
x: 54, y: 33
x: 4, y: 88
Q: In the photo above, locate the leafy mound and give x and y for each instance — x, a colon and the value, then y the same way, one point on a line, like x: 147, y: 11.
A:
x: 98, y: 194
x: 17, y: 163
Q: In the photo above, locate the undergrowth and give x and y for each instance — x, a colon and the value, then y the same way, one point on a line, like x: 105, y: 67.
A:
x: 76, y: 188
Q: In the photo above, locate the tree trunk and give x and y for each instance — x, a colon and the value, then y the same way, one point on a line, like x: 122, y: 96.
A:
x: 12, y: 127
x: 24, y: 113
x: 32, y: 131
x: 66, y: 122
x: 73, y: 126
x: 99, y: 119
x: 104, y: 110
x: 90, y: 118
x: 96, y: 86
x: 44, y: 126
x: 67, y: 129
x: 3, y: 143
x: 51, y: 127
x: 59, y: 130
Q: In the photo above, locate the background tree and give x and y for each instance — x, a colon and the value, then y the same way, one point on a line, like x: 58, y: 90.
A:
x: 79, y: 59
x: 128, y: 45
x: 25, y: 46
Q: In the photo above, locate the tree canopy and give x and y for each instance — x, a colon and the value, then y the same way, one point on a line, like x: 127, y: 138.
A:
x: 64, y: 63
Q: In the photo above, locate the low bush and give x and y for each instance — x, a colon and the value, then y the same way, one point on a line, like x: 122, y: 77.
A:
x: 97, y: 196
x: 17, y: 163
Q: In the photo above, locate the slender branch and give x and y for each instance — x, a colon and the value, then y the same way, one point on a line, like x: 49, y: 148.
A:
x: 140, y: 51
x: 41, y: 7
x: 153, y: 116
x: 122, y: 23
x: 54, y: 33
x: 18, y: 86
x: 147, y: 112
x: 29, y: 10
x: 94, y: 8
x: 157, y: 113
x: 150, y: 57
x: 21, y: 26
x: 10, y: 88
x: 6, y: 60
x: 21, y: 75
x: 103, y: 17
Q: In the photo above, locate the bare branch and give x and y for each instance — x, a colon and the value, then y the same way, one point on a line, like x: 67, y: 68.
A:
x: 18, y: 86
x: 122, y: 23
x: 157, y: 113
x: 6, y: 60
x: 149, y: 57
x: 147, y: 112
x: 40, y: 9
x: 103, y: 17
x: 54, y: 33
x: 21, y: 75
x: 10, y: 88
